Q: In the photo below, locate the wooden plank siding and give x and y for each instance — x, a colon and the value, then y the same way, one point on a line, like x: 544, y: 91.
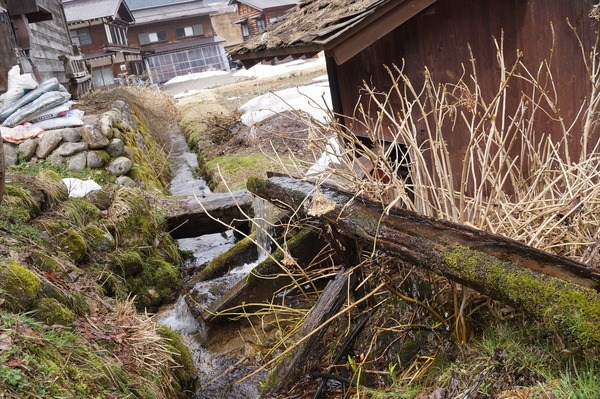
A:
x: 50, y: 39
x: 252, y: 14
x: 440, y: 36
x: 170, y: 28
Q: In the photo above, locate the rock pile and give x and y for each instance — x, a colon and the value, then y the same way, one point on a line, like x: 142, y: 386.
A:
x: 96, y: 144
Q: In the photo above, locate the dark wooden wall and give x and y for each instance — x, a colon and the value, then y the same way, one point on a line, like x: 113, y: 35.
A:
x: 439, y: 37
x: 170, y: 28
x: 7, y: 44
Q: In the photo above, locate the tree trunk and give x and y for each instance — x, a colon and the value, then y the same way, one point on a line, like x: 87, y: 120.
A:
x: 559, y: 291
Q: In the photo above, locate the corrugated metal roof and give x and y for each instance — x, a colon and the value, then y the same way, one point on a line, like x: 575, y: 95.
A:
x: 170, y: 12
x: 266, y: 4
x: 83, y: 10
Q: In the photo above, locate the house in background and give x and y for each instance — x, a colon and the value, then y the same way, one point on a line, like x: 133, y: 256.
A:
x: 33, y: 35
x: 177, y: 38
x: 359, y: 37
x: 257, y: 15
x: 223, y: 22
x: 99, y: 28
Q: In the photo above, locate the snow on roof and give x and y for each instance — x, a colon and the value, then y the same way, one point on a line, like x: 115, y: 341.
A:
x: 265, y: 4
x: 84, y: 10
x: 170, y: 12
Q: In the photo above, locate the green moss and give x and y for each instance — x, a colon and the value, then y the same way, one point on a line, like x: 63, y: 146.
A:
x: 127, y: 262
x: 104, y: 156
x: 19, y: 287
x: 244, y: 251
x: 236, y: 170
x: 50, y: 311
x: 74, y: 245
x: 98, y: 239
x: 156, y: 283
x: 136, y: 222
x: 21, y: 199
x: 46, y: 262
x: 186, y: 373
x: 101, y: 199
x: 566, y: 308
x: 80, y: 213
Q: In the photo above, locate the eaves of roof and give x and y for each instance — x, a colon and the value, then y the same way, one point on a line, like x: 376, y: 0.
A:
x: 340, y: 28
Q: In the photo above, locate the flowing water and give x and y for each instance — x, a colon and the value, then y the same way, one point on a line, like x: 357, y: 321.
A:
x: 223, y: 354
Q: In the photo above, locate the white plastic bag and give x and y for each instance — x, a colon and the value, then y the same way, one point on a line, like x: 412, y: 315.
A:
x: 71, y: 119
x: 51, y: 113
x: 24, y: 82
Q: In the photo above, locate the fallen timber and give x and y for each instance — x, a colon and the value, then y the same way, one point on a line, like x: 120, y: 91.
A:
x: 560, y: 292
x: 194, y: 216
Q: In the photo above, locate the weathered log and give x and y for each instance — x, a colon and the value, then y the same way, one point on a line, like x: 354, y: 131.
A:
x: 254, y: 289
x: 559, y: 291
x: 192, y: 217
x: 292, y: 366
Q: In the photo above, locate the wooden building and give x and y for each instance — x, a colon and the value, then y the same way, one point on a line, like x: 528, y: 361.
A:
x: 255, y: 16
x: 359, y: 37
x: 177, y: 38
x: 33, y: 35
x: 99, y: 28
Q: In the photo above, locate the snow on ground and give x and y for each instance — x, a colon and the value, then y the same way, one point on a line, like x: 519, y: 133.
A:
x: 265, y: 71
x: 187, y: 93
x: 194, y: 76
x: 313, y: 99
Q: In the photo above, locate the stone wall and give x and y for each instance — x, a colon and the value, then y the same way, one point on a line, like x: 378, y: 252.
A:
x: 96, y: 144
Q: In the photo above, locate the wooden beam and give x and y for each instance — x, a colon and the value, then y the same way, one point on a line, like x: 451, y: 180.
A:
x: 560, y: 292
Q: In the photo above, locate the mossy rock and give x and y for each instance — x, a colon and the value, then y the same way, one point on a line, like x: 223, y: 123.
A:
x: 101, y: 199
x: 156, y: 284
x: 50, y: 311
x: 136, y: 222
x: 127, y: 263
x: 50, y: 183
x: 19, y: 287
x: 98, y: 239
x: 103, y: 155
x: 22, y: 199
x: 45, y: 262
x: 186, y: 374
x: 80, y: 212
x: 74, y: 245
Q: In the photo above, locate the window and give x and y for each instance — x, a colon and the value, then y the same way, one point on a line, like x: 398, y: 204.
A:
x: 188, y: 31
x: 260, y: 25
x: 118, y: 35
x: 245, y: 31
x: 152, y: 37
x: 81, y: 37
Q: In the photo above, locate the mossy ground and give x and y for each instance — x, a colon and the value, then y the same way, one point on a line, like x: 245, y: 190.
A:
x: 68, y: 323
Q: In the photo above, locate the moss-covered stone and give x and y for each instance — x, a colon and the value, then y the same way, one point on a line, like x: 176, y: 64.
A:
x: 80, y: 212
x: 186, y: 374
x: 50, y: 311
x: 19, y: 287
x: 98, y: 239
x: 74, y: 245
x: 20, y: 198
x: 103, y: 155
x: 46, y: 262
x: 101, y: 199
x: 127, y: 262
x: 52, y: 186
x: 156, y: 284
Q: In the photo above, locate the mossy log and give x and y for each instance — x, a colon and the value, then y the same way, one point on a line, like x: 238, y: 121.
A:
x: 292, y: 366
x: 266, y: 278
x: 558, y: 291
x: 192, y: 217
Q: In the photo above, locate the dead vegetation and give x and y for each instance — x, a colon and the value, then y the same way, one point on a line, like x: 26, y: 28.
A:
x: 427, y: 337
